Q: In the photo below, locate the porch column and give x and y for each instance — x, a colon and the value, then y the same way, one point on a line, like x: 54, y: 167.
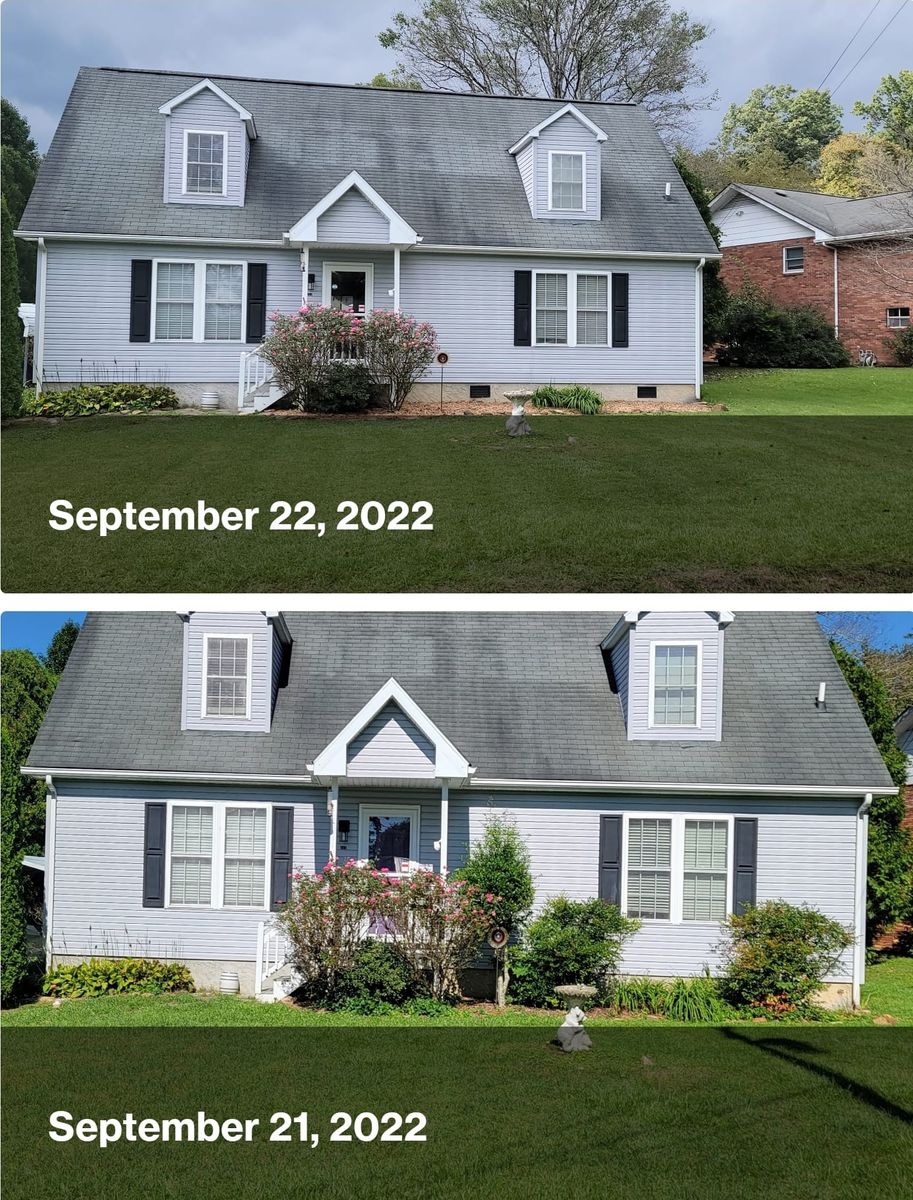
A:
x: 305, y: 265
x: 445, y: 822
x: 396, y: 254
x: 333, y: 813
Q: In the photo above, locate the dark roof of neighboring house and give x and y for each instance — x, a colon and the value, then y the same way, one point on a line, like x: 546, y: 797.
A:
x: 439, y: 158
x: 838, y: 216
x: 521, y: 695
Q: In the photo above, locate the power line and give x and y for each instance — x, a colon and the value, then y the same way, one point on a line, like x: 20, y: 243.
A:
x: 884, y: 29
x: 847, y: 46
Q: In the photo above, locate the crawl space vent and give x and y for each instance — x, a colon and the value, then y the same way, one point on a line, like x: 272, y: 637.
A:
x: 645, y: 392
x: 480, y: 391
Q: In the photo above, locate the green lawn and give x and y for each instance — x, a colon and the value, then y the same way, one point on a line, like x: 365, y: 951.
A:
x: 856, y: 391
x: 586, y: 504
x: 889, y: 989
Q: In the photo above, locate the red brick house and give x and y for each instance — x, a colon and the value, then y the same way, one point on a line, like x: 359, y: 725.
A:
x: 850, y: 258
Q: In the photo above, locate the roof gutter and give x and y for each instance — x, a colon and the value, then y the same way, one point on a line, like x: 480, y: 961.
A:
x: 32, y: 235
x: 445, y: 248
x: 745, y: 789
x: 169, y: 776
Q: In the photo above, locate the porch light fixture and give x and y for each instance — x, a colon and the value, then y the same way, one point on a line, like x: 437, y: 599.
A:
x: 344, y: 827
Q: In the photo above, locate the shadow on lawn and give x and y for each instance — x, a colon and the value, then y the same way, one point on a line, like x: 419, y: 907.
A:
x: 791, y: 1050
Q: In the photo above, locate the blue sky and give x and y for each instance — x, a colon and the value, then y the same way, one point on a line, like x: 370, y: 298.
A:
x: 756, y: 42
x: 33, y: 630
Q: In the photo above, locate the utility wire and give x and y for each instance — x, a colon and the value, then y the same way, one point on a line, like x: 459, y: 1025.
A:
x: 864, y: 21
x: 884, y: 29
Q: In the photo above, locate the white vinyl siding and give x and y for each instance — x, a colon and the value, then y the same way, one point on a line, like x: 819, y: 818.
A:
x: 551, y: 309
x: 191, y: 855
x: 201, y: 629
x: 245, y: 857
x: 676, y: 685
x: 745, y: 222
x: 204, y: 162
x: 649, y: 868
x: 567, y: 173
x: 199, y: 301
x: 223, y: 300
x: 227, y: 684
x: 592, y: 310
x: 208, y: 117
x: 174, y: 293
x: 706, y: 880
x: 675, y: 629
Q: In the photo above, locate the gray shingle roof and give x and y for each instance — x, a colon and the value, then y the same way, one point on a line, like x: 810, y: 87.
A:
x: 440, y: 159
x: 522, y: 696
x: 841, y: 216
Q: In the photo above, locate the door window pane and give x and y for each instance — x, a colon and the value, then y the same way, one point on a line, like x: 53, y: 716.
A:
x: 389, y: 838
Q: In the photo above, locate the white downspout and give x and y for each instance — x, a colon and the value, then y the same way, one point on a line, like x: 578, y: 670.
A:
x: 445, y: 823
x: 333, y: 813
x: 862, y: 841
x: 50, y: 843
x: 396, y: 258
x: 698, y: 328
x: 836, y: 297
x: 305, y: 267
x: 38, y: 354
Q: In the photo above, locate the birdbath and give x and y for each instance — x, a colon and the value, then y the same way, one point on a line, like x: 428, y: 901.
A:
x: 576, y: 993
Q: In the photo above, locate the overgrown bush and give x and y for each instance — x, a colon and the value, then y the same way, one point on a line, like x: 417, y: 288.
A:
x: 378, y: 973
x: 777, y: 955
x: 499, y: 863
x: 571, y: 941
x: 343, y: 388
x: 575, y: 396
x: 398, y: 349
x: 106, y: 976
x: 693, y: 1000
x: 900, y: 344
x: 92, y: 398
x: 10, y: 326
x: 756, y: 332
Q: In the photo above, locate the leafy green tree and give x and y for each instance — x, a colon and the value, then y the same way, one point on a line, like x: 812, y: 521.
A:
x: 397, y: 78
x: 796, y: 124
x: 840, y: 166
x: 19, y: 162
x: 890, y: 874
x: 27, y: 689
x: 10, y: 325
x: 890, y: 111
x: 716, y: 294
x: 62, y: 643
x: 763, y: 166
x: 638, y: 50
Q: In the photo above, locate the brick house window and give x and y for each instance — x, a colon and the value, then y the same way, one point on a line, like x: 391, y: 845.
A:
x: 898, y: 318
x: 793, y: 260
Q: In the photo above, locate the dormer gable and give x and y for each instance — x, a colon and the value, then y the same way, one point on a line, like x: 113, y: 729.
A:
x: 667, y: 669
x: 234, y: 665
x: 353, y: 211
x: 207, y: 146
x: 560, y: 165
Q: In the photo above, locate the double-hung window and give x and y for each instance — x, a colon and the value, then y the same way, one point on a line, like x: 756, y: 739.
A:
x: 572, y: 308
x: 174, y: 300
x: 898, y: 317
x: 226, y: 690
x: 675, y: 685
x: 199, y: 301
x: 793, y: 260
x: 566, y: 181
x: 224, y: 294
x: 204, y: 170
x: 218, y: 855
x: 677, y: 868
x: 592, y: 310
x: 551, y: 308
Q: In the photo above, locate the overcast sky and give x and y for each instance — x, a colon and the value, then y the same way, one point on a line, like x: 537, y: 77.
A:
x: 754, y: 42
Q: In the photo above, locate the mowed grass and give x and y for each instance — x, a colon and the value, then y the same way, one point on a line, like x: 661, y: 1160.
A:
x: 585, y: 504
x: 853, y: 391
x: 655, y: 1113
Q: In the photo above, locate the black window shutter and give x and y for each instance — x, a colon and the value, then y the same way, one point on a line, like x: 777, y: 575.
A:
x: 610, y: 859
x: 280, y: 884
x: 140, y: 299
x: 619, y: 308
x: 746, y: 863
x: 154, y: 857
x: 256, y: 302
x: 523, y: 306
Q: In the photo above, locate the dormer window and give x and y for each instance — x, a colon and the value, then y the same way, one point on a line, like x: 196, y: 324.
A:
x: 227, y: 682
x: 204, y: 162
x: 675, y: 685
x: 566, y: 174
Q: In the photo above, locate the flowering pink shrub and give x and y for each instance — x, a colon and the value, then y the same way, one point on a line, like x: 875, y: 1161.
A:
x: 305, y: 346
x: 397, y: 350
x: 434, y: 925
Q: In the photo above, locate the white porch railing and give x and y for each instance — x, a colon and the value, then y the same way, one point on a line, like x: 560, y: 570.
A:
x: 272, y: 952
x: 254, y: 373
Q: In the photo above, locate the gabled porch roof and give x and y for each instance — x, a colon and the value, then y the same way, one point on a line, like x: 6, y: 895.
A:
x: 304, y: 231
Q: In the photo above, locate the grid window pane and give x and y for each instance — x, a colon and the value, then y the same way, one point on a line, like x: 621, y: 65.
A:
x: 795, y: 258
x: 226, y: 677
x: 898, y: 317
x: 592, y: 310
x: 551, y: 309
x: 706, y: 865
x: 675, y: 685
x: 650, y: 868
x: 205, y: 162
x: 224, y: 283
x: 567, y: 181
x: 191, y: 855
x: 174, y: 300
x: 245, y: 856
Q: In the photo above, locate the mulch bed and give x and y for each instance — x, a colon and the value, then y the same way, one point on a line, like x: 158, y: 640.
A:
x: 415, y: 409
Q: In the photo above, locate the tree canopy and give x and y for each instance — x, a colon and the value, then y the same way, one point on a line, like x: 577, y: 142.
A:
x: 632, y: 50
x: 19, y: 162
x: 890, y: 111
x: 797, y: 125
x: 62, y: 643
x: 10, y: 325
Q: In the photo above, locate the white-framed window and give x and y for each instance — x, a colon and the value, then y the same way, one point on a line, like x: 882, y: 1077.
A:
x: 198, y: 301
x: 593, y: 309
x: 204, y: 162
x: 898, y: 317
x: 793, y: 260
x: 217, y: 855
x: 675, y: 685
x: 226, y: 675
x: 572, y: 308
x: 677, y: 867
x: 388, y: 833
x: 349, y: 285
x: 567, y: 180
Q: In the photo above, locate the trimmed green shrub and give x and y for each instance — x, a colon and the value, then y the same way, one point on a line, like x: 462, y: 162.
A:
x: 94, y: 398
x: 571, y: 941
x: 377, y: 972
x: 10, y: 325
x: 425, y: 1006
x: 756, y: 332
x: 900, y: 343
x: 342, y: 387
x: 107, y: 976
x: 776, y: 955
x: 499, y: 865
x: 575, y: 396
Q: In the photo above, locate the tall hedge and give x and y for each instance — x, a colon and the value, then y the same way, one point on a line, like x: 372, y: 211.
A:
x: 10, y: 325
